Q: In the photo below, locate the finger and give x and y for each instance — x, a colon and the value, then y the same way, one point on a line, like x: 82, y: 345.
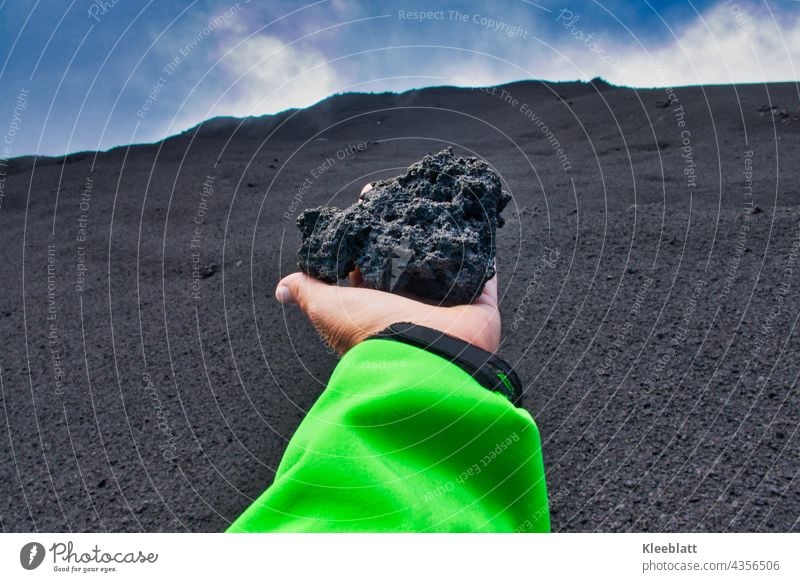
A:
x: 355, y: 278
x: 366, y: 188
x: 342, y: 316
x: 490, y: 289
x: 489, y: 294
x: 299, y: 288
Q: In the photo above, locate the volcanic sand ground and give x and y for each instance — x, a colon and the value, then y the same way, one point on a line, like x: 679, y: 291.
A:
x: 649, y: 314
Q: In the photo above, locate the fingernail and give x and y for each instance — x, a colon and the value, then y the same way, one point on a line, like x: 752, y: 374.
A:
x: 283, y: 295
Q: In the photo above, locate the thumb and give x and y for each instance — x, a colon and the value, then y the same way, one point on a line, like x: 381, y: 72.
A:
x: 328, y: 309
x: 298, y: 288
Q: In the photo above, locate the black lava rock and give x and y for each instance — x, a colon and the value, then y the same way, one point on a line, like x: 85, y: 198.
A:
x: 428, y: 234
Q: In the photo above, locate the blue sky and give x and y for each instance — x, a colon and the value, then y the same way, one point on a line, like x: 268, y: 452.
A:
x: 94, y: 74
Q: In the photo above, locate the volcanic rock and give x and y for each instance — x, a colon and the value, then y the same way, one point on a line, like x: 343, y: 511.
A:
x: 429, y: 233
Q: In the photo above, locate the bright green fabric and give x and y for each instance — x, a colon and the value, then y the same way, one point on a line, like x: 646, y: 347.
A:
x: 404, y: 440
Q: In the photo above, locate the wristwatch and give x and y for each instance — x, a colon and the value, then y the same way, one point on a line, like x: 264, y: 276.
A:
x: 491, y: 372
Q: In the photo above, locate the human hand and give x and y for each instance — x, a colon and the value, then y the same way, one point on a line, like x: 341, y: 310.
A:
x: 345, y: 316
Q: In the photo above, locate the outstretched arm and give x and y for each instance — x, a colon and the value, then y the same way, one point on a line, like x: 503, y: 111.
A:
x: 410, y: 434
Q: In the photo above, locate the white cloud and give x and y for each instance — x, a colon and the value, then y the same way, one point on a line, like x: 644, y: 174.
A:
x: 268, y: 75
x: 731, y: 43
x: 258, y: 74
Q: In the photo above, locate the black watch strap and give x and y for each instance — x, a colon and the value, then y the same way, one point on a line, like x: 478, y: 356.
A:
x: 491, y: 372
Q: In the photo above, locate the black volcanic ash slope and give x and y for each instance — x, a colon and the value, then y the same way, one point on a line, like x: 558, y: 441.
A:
x: 647, y: 274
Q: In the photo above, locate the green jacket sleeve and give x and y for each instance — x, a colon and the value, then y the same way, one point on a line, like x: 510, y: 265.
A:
x: 404, y: 440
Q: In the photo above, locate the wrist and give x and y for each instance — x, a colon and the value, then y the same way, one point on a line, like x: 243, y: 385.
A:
x: 492, y: 372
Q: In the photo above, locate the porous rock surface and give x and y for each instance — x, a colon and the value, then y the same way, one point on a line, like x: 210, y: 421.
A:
x: 429, y: 233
